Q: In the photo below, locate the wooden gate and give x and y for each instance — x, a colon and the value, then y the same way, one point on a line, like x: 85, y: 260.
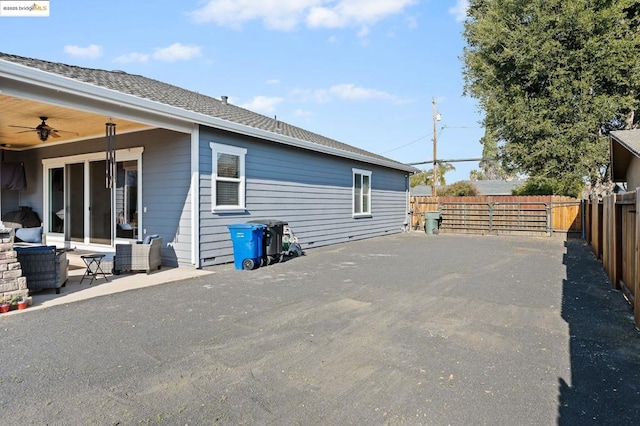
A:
x: 521, y: 215
x: 496, y: 218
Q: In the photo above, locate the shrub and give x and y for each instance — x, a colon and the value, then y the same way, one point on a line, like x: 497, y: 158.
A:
x: 547, y: 186
x: 459, y: 189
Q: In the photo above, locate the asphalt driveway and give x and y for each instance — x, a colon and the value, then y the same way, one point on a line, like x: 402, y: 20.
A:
x: 407, y: 329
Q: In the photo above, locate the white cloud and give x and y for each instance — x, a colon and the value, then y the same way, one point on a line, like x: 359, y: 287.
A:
x: 319, y: 96
x: 133, y: 57
x: 302, y: 113
x: 346, y: 13
x: 459, y: 11
x: 176, y: 52
x: 351, y: 92
x: 273, y: 81
x: 263, y: 104
x: 286, y: 15
x: 364, y: 31
x: 345, y: 92
x: 91, y: 51
x: 282, y: 15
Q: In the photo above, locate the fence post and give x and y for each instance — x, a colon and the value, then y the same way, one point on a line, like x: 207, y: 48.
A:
x: 636, y: 275
x: 490, y: 217
x: 583, y: 219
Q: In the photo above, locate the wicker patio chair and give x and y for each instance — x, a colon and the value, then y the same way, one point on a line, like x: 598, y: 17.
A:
x: 138, y: 257
x: 43, y: 266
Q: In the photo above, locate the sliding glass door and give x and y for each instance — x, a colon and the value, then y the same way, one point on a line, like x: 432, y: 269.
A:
x: 79, y: 206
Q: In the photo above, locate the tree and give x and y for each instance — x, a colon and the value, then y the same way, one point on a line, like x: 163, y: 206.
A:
x: 459, y: 189
x: 553, y: 77
x: 426, y: 177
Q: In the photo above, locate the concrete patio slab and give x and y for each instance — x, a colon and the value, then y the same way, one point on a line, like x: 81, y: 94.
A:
x: 75, y: 290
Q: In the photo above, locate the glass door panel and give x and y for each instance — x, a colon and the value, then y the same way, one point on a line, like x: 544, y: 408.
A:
x: 75, y: 205
x: 126, y: 194
x: 56, y: 200
x: 99, y: 204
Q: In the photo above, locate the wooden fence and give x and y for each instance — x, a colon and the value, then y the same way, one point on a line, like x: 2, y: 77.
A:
x: 613, y: 232
x: 530, y: 215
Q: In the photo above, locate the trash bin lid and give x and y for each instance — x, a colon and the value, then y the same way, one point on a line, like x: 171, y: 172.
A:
x: 269, y: 222
x: 246, y: 226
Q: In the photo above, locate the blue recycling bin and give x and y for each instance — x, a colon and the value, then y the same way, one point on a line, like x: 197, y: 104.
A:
x: 247, y: 244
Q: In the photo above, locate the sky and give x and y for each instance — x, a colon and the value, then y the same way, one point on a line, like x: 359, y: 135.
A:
x: 363, y: 72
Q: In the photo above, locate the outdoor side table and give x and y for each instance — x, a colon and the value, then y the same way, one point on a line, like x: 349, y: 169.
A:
x: 92, y: 261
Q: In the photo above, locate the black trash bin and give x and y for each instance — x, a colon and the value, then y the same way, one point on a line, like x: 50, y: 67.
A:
x: 272, y: 241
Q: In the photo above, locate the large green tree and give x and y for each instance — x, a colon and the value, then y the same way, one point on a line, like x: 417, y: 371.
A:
x: 552, y: 78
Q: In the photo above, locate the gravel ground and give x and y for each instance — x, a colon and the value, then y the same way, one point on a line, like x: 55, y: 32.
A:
x: 408, y: 329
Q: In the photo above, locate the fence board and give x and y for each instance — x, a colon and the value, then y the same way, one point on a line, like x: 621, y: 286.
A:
x: 614, y: 234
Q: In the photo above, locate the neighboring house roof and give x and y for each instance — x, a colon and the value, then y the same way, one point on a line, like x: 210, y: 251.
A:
x: 625, y: 144
x: 421, y: 190
x: 173, y: 96
x: 485, y: 187
x: 497, y: 187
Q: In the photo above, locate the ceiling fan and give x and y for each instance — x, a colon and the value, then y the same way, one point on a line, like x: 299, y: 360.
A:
x: 43, y: 130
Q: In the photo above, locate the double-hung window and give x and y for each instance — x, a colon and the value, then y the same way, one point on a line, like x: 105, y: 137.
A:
x: 228, y: 179
x: 361, y: 193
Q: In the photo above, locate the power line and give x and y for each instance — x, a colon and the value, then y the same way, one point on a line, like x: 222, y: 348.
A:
x: 405, y: 145
x: 427, y: 136
x: 459, y: 160
x: 412, y: 142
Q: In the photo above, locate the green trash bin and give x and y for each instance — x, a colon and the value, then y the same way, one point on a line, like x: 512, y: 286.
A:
x: 431, y: 222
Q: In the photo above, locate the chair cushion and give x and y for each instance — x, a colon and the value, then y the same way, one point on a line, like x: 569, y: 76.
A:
x: 34, y: 248
x: 29, y: 235
x: 148, y: 238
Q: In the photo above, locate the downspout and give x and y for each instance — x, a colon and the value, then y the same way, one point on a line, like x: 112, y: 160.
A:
x: 407, y: 218
x: 195, y: 196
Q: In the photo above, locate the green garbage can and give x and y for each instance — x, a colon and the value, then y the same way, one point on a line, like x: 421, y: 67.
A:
x: 431, y: 222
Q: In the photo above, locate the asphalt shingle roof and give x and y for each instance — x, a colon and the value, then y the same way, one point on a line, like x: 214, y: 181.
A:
x: 154, y: 90
x: 630, y: 138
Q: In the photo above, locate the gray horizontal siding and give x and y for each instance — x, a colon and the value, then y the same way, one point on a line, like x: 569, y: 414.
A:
x: 310, y: 191
x: 166, y: 178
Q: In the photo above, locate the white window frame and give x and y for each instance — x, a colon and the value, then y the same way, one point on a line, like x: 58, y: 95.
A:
x: 360, y: 172
x: 241, y: 153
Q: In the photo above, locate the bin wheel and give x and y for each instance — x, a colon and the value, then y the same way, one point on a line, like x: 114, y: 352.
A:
x: 276, y: 259
x: 248, y: 264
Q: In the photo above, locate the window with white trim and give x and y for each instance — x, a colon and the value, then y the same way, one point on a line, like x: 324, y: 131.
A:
x: 361, y: 192
x: 227, y: 178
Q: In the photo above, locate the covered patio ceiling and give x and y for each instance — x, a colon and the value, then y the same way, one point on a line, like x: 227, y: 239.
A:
x: 71, y: 124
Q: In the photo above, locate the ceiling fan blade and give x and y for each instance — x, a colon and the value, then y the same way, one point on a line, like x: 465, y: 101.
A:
x: 54, y: 133
x: 65, y: 131
x: 27, y: 131
x: 23, y: 127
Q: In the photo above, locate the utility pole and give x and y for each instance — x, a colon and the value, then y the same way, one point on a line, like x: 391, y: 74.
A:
x: 436, y: 117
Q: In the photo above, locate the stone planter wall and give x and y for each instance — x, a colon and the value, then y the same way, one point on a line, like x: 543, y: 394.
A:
x: 12, y: 283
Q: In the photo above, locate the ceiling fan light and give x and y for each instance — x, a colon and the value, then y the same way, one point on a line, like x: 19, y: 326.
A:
x: 43, y: 133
